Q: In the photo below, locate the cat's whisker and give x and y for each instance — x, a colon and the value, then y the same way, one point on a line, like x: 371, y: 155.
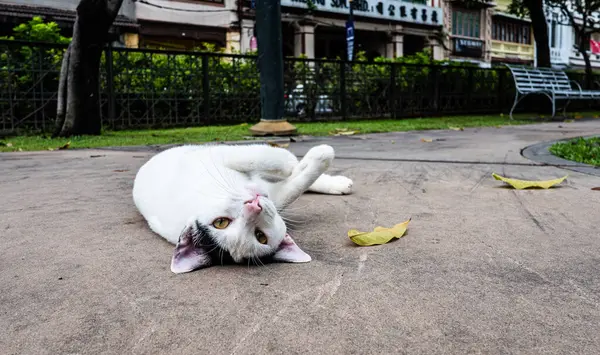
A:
x: 216, y: 181
x: 227, y: 182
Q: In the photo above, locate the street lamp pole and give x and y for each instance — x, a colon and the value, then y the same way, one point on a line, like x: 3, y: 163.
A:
x: 270, y: 66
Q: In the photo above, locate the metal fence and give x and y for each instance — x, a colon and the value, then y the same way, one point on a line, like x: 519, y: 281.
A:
x: 150, y: 88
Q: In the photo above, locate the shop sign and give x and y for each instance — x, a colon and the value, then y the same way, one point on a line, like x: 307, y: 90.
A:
x: 393, y: 10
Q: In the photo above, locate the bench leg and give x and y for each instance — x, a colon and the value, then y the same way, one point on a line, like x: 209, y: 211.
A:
x: 514, y: 105
x: 565, y: 108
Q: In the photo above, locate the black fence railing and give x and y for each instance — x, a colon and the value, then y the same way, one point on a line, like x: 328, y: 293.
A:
x: 149, y: 88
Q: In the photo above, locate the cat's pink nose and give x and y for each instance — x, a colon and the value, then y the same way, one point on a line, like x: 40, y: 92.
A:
x: 253, y: 205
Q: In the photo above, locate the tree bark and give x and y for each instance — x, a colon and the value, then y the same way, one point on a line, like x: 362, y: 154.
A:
x: 78, y: 110
x: 589, y: 74
x: 540, y: 31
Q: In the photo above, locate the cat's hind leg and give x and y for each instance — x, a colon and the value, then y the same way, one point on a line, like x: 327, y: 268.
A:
x: 332, y: 185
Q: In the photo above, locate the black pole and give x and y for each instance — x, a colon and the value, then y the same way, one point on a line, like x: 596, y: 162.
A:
x: 270, y: 66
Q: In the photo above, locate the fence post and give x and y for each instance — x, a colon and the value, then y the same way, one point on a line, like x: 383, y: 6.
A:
x: 470, y: 88
x: 343, y: 89
x: 435, y: 88
x: 501, y: 75
x: 393, y: 90
x: 205, y: 89
x: 110, y: 87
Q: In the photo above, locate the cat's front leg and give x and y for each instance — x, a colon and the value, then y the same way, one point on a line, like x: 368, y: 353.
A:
x: 304, y: 175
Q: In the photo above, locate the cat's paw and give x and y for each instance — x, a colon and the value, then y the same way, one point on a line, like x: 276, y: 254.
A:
x: 322, y: 152
x: 339, y: 185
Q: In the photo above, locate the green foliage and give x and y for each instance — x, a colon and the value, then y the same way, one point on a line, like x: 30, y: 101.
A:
x: 23, y: 68
x: 581, y: 150
x: 36, y: 30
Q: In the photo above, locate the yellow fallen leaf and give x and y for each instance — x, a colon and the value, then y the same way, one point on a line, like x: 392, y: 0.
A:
x: 379, y: 235
x: 9, y: 144
x: 342, y: 132
x: 20, y: 149
x: 277, y: 145
x: 426, y: 140
x: 523, y: 184
x: 65, y: 146
x: 456, y: 128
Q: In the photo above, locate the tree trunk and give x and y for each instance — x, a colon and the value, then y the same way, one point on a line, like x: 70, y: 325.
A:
x: 589, y: 74
x: 540, y: 31
x: 78, y: 110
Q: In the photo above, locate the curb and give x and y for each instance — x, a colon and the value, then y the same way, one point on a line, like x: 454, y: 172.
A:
x: 161, y: 147
x: 540, y: 153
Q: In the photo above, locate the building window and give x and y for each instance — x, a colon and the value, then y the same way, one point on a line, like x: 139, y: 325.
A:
x: 466, y: 23
x: 510, y: 31
x: 554, y: 43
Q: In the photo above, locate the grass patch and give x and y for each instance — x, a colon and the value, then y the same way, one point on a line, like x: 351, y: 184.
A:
x: 581, y: 150
x: 240, y: 132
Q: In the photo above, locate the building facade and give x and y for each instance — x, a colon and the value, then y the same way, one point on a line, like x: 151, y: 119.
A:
x: 383, y: 28
x: 512, y: 37
x: 469, y: 32
x: 562, y: 37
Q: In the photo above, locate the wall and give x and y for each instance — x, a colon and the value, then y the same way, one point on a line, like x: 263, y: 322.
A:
x: 127, y: 9
x: 216, y: 15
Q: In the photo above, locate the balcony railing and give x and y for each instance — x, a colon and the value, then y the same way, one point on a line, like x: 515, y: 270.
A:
x: 502, y: 49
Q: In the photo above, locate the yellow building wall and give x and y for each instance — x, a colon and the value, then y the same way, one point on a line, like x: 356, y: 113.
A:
x: 132, y: 40
x: 506, y: 50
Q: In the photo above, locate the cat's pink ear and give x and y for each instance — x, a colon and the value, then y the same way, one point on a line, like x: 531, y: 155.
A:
x: 289, y: 252
x: 186, y: 257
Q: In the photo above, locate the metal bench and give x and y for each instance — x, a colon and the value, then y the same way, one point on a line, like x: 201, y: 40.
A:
x: 553, y: 83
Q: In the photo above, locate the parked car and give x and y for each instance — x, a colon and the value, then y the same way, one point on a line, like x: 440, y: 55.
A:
x: 296, y: 103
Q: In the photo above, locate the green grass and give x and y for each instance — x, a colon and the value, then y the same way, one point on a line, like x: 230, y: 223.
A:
x: 239, y: 132
x: 581, y: 150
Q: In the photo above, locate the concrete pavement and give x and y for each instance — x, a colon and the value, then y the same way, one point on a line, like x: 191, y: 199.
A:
x: 482, y: 269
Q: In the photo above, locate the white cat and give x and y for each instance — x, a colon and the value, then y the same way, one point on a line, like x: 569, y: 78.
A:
x: 221, y: 203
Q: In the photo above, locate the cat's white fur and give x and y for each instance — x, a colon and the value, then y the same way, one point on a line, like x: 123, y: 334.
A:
x: 182, y: 190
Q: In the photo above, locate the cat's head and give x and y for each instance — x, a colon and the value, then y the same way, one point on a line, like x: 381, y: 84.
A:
x: 235, y: 230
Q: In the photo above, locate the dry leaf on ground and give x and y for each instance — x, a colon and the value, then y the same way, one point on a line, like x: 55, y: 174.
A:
x: 426, y: 140
x: 524, y: 184
x: 596, y: 188
x: 379, y: 235
x: 342, y: 132
x: 279, y: 145
x: 456, y: 128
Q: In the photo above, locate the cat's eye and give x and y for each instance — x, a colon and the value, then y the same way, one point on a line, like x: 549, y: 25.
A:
x: 261, y: 237
x: 221, y: 223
